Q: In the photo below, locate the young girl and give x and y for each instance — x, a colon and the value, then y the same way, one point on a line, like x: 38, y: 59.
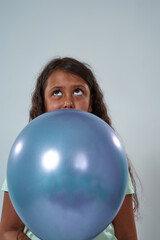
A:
x: 68, y: 83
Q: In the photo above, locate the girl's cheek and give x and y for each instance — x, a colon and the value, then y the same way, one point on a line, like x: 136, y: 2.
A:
x: 54, y: 105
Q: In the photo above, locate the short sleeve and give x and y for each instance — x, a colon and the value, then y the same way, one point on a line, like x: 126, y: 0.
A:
x: 4, y: 186
x: 107, y: 234
x: 130, y: 188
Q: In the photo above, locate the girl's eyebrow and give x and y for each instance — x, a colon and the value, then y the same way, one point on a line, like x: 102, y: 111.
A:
x: 79, y: 86
x: 54, y: 88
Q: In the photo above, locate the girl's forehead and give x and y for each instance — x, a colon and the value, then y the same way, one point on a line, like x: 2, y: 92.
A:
x: 62, y: 77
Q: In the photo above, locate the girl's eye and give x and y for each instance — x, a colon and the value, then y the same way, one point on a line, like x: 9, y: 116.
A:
x: 57, y: 93
x: 78, y: 92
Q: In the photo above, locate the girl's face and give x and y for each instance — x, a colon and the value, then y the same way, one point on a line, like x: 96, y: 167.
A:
x: 66, y: 90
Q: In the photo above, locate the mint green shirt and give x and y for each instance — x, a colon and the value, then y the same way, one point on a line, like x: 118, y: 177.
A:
x: 107, y: 234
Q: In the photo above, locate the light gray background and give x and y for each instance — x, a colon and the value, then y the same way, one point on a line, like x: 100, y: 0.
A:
x: 121, y: 41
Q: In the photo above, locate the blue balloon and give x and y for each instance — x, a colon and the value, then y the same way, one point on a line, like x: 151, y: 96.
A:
x: 67, y: 175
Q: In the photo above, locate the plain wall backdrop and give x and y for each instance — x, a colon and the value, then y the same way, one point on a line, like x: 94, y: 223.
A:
x: 121, y: 42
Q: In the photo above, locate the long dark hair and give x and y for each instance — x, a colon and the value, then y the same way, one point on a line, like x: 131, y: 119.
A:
x: 99, y: 107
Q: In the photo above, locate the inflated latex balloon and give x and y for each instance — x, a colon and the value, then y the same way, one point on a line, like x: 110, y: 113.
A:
x: 67, y: 175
